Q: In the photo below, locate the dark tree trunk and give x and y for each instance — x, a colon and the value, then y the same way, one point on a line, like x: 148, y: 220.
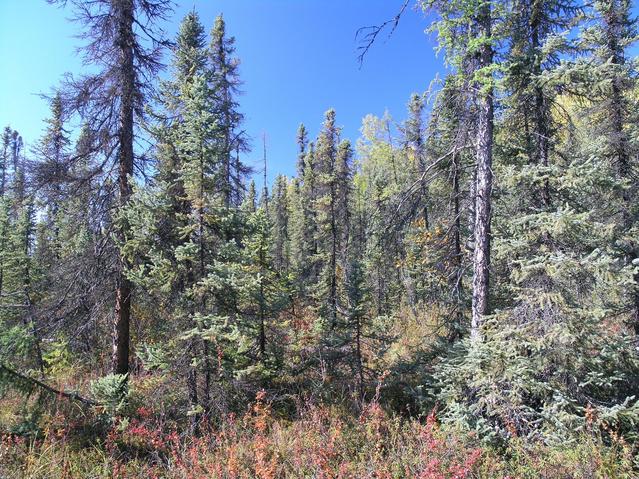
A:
x: 262, y: 315
x: 124, y: 43
x: 262, y: 338
x: 456, y: 278
x: 620, y: 145
x: 28, y: 320
x: 191, y: 385
x: 359, y: 362
x: 541, y: 113
x: 333, y: 259
x: 202, y: 272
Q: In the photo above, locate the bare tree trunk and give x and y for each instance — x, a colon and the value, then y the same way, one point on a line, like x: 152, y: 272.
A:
x: 456, y: 279
x: 424, y: 193
x: 472, y: 200
x: 191, y: 383
x: 358, y: 352
x: 124, y: 43
x: 262, y: 333
x: 26, y: 290
x: 57, y: 392
x: 262, y: 338
x: 484, y: 183
x: 202, y: 270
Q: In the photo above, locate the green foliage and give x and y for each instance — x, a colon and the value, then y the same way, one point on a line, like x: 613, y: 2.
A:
x: 112, y: 393
x: 357, y: 268
x: 554, y: 359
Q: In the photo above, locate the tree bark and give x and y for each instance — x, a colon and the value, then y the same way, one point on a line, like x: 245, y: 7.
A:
x: 262, y: 302
x: 124, y: 43
x: 191, y: 385
x: 358, y: 352
x: 484, y: 183
x: 456, y: 278
x: 620, y: 145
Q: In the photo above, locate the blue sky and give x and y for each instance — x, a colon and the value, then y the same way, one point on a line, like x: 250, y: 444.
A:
x: 298, y: 60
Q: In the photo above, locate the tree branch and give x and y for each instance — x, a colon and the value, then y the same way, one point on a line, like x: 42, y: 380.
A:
x: 69, y: 395
x: 370, y: 33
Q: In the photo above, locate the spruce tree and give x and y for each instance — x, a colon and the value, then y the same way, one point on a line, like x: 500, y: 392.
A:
x: 546, y: 353
x: 192, y: 260
x: 609, y: 82
x: 327, y: 206
x: 309, y: 245
x: 50, y: 175
x: 225, y: 82
x: 266, y: 293
x: 127, y: 55
x: 465, y: 33
x: 302, y: 145
x: 416, y: 149
x: 384, y: 173
x: 279, y: 211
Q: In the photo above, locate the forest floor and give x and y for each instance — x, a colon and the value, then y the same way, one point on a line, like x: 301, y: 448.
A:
x: 320, y: 442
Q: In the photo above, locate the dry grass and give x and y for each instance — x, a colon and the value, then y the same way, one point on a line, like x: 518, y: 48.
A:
x: 321, y: 442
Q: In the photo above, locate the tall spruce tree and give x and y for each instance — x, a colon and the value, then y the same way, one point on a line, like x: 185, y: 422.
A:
x: 309, y: 244
x: 122, y: 42
x: 193, y: 259
x: 279, y: 211
x: 466, y: 33
x: 416, y: 149
x: 610, y: 84
x: 326, y: 204
x: 533, y: 373
x: 225, y: 82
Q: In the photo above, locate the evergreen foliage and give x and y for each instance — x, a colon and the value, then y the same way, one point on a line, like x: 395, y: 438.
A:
x: 481, y: 256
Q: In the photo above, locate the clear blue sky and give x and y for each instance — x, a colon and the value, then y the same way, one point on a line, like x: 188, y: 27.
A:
x: 298, y: 59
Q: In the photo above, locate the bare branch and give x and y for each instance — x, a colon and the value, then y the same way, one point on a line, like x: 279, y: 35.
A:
x: 369, y: 34
x: 69, y: 395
